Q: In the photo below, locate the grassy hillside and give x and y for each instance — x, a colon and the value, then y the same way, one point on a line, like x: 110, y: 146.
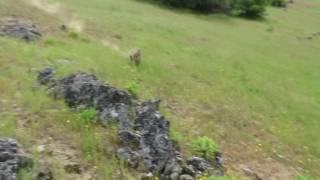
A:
x: 251, y: 85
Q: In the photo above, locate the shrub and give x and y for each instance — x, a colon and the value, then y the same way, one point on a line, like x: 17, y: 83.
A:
x: 87, y: 116
x: 249, y: 8
x: 133, y: 88
x: 204, y: 147
x: 200, y: 5
x: 245, y: 8
x: 73, y: 35
x: 279, y: 3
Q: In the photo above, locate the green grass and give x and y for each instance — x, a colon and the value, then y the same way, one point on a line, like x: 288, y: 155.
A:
x: 230, y: 78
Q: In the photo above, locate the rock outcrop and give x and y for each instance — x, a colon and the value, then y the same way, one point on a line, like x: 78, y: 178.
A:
x: 12, y: 159
x: 20, y: 29
x: 142, y: 130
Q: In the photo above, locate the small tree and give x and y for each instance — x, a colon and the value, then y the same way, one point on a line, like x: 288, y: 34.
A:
x: 249, y: 8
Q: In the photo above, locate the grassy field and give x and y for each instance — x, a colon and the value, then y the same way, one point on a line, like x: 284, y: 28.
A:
x: 253, y: 86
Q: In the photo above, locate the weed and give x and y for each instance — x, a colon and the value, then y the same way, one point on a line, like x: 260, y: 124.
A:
x: 133, y: 88
x: 7, y: 126
x: 87, y: 116
x: 90, y: 144
x: 73, y: 35
x: 204, y: 147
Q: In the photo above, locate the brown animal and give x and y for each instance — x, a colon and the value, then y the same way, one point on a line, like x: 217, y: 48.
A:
x: 135, y: 56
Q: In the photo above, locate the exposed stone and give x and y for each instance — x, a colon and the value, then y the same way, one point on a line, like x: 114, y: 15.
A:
x: 129, y: 156
x: 218, y: 164
x: 200, y: 165
x: 129, y: 138
x: 46, y: 76
x: 147, y: 176
x: 20, y: 29
x: 12, y: 159
x: 144, y: 134
x: 186, y: 177
x: 188, y: 169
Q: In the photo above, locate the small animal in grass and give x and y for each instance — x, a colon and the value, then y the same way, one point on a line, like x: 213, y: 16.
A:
x: 135, y: 56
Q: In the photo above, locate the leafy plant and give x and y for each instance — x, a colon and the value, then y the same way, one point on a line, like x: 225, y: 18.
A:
x: 73, y: 35
x: 132, y: 87
x: 204, y: 147
x: 87, y: 116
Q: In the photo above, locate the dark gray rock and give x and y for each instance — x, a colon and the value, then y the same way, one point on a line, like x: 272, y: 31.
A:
x: 118, y: 113
x: 200, y: 165
x: 20, y: 29
x: 218, y: 164
x: 188, y: 169
x: 129, y: 138
x: 46, y: 76
x: 142, y: 130
x: 186, y: 177
x: 129, y: 156
x: 12, y: 159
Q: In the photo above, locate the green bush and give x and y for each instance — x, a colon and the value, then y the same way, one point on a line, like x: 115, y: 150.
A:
x: 87, y: 116
x: 245, y: 8
x: 249, y: 8
x: 133, y: 88
x: 279, y: 3
x: 204, y: 147
x: 73, y: 35
x: 200, y: 5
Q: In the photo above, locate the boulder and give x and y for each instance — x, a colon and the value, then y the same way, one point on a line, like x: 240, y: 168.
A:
x: 12, y: 159
x: 20, y: 29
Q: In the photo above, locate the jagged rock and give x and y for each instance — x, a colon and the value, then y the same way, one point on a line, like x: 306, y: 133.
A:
x: 19, y: 29
x: 118, y: 113
x: 12, y: 159
x: 46, y: 76
x: 144, y: 134
x: 85, y: 90
x: 82, y: 90
x: 188, y: 169
x: 129, y: 138
x: 200, y: 165
x: 129, y: 156
x: 156, y: 147
x: 218, y: 164
x: 186, y: 177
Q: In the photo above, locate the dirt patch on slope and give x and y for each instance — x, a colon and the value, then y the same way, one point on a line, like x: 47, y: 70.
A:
x: 54, y: 149
x: 69, y: 19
